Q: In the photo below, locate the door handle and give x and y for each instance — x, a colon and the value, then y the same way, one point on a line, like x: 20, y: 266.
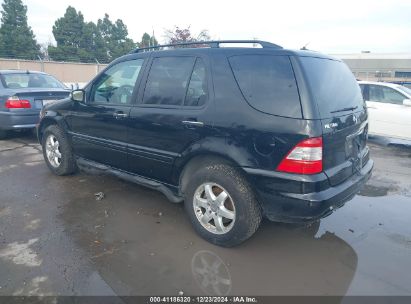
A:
x: 370, y: 107
x: 119, y: 115
x: 193, y: 123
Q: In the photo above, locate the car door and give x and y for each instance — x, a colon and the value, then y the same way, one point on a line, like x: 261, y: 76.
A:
x: 174, y: 111
x: 388, y: 115
x: 99, y: 125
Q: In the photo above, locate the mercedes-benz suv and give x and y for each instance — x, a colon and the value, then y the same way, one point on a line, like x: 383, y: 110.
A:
x: 236, y: 133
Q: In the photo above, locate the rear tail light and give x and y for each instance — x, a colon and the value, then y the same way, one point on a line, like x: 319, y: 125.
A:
x: 305, y: 158
x: 14, y: 102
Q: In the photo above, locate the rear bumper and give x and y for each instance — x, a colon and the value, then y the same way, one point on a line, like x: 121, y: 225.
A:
x: 17, y: 120
x: 297, y: 198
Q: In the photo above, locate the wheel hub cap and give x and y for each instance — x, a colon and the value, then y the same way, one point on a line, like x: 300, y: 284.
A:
x: 53, y: 152
x: 214, y: 208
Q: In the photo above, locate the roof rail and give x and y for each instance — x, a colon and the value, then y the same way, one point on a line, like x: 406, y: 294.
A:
x: 211, y: 44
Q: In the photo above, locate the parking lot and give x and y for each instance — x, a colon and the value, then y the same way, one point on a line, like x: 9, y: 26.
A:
x: 57, y: 239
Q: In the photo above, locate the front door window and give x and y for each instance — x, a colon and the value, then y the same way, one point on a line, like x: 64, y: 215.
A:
x: 116, y: 85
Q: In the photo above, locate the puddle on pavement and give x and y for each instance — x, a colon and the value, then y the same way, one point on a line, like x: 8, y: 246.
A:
x: 381, y: 186
x: 138, y: 251
x: 374, y: 191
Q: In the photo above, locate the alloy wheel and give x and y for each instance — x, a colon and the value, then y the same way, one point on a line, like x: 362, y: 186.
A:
x: 53, y: 151
x: 214, y: 208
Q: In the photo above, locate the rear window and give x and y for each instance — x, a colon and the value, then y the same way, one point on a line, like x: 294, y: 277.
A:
x: 30, y: 80
x: 333, y: 86
x: 268, y: 83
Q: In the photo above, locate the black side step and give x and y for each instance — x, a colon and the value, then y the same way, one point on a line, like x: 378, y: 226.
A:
x: 97, y: 168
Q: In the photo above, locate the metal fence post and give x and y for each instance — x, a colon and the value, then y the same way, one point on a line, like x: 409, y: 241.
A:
x: 97, y: 66
x: 41, y: 63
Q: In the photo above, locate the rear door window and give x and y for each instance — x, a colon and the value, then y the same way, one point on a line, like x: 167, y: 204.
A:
x: 268, y: 83
x: 332, y: 85
x: 168, y: 80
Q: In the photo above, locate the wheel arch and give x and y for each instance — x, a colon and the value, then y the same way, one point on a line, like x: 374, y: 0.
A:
x: 197, y: 161
x: 48, y: 120
x: 210, y: 150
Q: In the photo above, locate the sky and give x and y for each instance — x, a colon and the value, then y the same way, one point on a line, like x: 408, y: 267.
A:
x: 348, y: 26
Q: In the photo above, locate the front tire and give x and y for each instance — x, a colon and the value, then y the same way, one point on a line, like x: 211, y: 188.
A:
x: 221, y: 205
x: 57, y: 151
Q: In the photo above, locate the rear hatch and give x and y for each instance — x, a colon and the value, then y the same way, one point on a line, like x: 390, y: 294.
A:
x: 343, y: 114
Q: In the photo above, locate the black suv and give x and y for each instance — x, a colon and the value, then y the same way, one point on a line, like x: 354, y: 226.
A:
x: 237, y: 133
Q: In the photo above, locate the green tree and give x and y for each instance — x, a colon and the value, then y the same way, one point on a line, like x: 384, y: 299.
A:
x: 16, y: 37
x: 78, y: 40
x: 93, y: 44
x: 121, y: 44
x: 147, y: 40
x: 68, y: 33
x: 115, y: 36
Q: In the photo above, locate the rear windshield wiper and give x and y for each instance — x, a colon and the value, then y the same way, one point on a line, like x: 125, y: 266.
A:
x: 345, y: 109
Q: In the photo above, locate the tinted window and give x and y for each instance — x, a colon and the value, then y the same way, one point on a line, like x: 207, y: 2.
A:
x: 333, y: 85
x: 197, y: 91
x: 268, y: 83
x: 168, y: 80
x: 30, y: 80
x: 116, y: 84
x: 385, y: 95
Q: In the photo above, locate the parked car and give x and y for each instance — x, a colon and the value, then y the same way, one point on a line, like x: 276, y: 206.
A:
x: 235, y: 133
x: 389, y: 107
x: 22, y: 95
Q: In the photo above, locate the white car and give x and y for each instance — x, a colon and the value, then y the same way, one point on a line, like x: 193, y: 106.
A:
x: 389, y: 108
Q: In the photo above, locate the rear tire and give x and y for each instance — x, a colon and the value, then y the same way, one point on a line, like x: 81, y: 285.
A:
x: 222, y: 219
x: 57, y: 151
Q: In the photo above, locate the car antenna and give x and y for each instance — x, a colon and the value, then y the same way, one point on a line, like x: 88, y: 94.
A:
x: 304, y: 48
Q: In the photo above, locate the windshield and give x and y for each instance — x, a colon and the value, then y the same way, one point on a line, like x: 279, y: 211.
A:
x: 333, y: 86
x: 30, y: 80
x: 404, y: 89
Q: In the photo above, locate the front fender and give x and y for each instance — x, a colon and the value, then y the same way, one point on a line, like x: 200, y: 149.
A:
x: 50, y: 117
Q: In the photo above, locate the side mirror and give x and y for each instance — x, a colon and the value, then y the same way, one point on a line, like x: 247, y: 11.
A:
x: 406, y: 102
x: 78, y: 95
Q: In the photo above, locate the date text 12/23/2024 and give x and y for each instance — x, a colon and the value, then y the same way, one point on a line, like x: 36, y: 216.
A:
x: 203, y: 299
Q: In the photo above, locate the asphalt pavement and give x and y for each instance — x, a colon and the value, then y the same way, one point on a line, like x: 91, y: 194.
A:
x: 56, y: 238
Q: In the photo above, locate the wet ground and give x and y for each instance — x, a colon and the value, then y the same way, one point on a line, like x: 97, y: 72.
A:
x: 57, y: 239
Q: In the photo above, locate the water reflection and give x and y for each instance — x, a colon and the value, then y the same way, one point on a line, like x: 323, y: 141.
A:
x: 211, y: 273
x: 280, y: 260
